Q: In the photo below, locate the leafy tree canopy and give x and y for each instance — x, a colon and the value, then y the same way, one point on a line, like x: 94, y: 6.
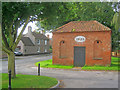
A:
x: 78, y: 11
x: 16, y: 14
x: 116, y: 20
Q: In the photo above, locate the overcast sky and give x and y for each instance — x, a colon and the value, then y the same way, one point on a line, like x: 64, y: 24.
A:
x: 33, y: 28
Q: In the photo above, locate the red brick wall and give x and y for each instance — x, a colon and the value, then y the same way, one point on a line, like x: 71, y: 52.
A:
x: 104, y: 51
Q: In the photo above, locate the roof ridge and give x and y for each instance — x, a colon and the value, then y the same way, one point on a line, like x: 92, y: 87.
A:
x: 102, y: 24
x: 27, y: 41
x: 63, y: 25
x: 36, y: 33
x: 85, y: 21
x: 25, y: 37
x: 79, y: 26
x: 39, y: 35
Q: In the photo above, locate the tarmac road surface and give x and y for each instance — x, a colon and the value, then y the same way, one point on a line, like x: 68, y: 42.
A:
x: 68, y: 78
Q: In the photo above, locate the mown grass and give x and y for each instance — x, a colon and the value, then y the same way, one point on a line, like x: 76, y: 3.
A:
x: 48, y: 64
x: 115, y: 65
x: 28, y: 81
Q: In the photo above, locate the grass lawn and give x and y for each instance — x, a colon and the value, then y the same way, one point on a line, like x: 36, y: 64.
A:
x: 115, y: 62
x: 48, y: 64
x: 115, y: 65
x: 28, y: 81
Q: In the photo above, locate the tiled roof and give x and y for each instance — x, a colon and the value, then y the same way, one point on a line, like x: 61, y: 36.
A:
x: 80, y: 26
x: 38, y: 35
x: 27, y: 41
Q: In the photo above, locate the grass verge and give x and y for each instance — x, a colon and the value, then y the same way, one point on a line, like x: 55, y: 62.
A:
x: 48, y: 64
x: 28, y: 81
x: 115, y: 65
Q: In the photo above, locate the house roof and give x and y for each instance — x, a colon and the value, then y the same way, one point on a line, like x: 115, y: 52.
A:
x: 81, y: 26
x: 27, y: 41
x: 39, y: 36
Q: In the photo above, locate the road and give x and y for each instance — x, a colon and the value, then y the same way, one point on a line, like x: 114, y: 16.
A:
x: 69, y: 78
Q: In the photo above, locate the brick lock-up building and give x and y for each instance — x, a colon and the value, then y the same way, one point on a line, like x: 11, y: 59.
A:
x: 82, y: 43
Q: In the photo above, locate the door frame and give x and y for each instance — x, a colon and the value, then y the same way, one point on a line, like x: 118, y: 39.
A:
x: 74, y: 52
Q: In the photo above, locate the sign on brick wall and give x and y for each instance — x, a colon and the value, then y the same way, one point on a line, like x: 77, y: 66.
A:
x: 80, y: 39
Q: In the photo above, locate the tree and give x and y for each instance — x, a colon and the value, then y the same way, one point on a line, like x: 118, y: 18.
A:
x: 116, y: 20
x: 51, y: 15
x: 103, y: 12
x: 79, y: 11
x: 116, y: 26
x: 14, y: 15
x: 116, y: 32
x: 17, y: 14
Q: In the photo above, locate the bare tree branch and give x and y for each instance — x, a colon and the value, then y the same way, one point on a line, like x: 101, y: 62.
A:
x: 5, y: 49
x: 5, y: 40
x: 15, y: 35
x: 10, y: 36
x: 19, y: 37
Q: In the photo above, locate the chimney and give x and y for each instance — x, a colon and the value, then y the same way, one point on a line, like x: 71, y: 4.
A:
x: 29, y: 29
x: 42, y: 31
x: 48, y: 36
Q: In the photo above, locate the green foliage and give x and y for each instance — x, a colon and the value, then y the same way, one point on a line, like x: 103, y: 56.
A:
x: 52, y: 14
x: 15, y: 14
x: 50, y: 47
x: 73, y: 30
x: 78, y: 11
x: 115, y: 33
x: 28, y: 81
x: 101, y: 12
x: 116, y: 20
x: 0, y: 80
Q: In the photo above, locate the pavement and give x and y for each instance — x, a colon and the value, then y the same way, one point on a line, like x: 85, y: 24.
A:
x: 68, y: 78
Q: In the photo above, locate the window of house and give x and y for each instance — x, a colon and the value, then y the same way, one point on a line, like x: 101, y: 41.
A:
x: 98, y: 52
x: 38, y: 42
x: 97, y: 41
x: 45, y: 50
x: 18, y: 47
x: 38, y: 49
x: 45, y: 42
x: 63, y: 48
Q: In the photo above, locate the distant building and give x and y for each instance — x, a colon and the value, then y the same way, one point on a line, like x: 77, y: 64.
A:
x: 33, y: 43
x: 82, y: 43
x: 50, y: 40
